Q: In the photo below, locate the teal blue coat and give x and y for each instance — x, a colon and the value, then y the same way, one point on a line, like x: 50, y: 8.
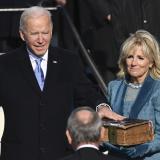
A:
x: 146, y: 106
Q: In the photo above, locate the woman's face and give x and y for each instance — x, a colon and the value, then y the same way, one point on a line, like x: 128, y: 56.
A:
x: 137, y: 65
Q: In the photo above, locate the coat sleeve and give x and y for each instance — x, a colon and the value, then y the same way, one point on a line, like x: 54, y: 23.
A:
x: 85, y: 91
x: 153, y: 114
x: 154, y: 145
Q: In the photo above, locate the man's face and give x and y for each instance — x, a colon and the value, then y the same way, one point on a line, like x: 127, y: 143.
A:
x: 37, y: 34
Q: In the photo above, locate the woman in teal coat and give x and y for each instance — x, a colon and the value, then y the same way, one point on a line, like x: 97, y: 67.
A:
x: 136, y: 93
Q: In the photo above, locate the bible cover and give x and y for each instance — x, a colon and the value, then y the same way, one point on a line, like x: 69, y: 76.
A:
x: 128, y: 131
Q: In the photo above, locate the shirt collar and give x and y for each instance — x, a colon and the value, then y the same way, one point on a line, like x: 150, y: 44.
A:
x: 34, y: 57
x: 87, y: 145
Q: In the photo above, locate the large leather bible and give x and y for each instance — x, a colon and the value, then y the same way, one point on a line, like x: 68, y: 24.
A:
x: 128, y: 131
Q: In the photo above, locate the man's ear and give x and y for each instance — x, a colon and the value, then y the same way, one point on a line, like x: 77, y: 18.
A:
x: 68, y: 137
x: 22, y: 35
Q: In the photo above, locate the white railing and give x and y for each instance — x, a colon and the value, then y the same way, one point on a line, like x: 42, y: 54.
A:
x: 22, y: 9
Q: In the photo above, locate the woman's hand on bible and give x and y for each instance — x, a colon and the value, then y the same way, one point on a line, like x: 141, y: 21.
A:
x: 105, y: 112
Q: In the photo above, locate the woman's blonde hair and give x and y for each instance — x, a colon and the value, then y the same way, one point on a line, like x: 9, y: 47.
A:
x: 150, y: 48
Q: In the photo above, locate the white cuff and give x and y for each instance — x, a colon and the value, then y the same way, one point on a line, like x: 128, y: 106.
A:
x: 102, y: 105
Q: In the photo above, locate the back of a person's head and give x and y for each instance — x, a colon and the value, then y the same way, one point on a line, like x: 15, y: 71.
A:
x: 33, y: 12
x: 84, y: 126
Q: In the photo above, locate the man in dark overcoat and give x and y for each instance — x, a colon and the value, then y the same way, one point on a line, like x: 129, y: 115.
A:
x: 35, y: 118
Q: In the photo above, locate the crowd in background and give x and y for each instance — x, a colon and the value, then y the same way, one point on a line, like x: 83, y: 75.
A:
x: 103, y: 26
x: 91, y: 23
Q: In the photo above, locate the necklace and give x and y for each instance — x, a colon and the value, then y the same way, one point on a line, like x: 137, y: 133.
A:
x: 136, y: 86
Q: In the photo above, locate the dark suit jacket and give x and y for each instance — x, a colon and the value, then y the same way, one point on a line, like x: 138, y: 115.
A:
x: 131, y: 15
x: 97, y: 33
x: 86, y: 154
x: 35, y: 121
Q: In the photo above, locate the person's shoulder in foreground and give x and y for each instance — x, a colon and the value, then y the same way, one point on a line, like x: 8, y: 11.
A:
x: 84, y: 130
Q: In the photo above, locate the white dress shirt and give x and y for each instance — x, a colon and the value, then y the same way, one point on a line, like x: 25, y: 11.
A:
x: 33, y: 57
x: 87, y: 145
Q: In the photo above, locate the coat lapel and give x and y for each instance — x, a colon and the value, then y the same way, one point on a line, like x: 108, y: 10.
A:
x: 120, y: 97
x: 53, y: 66
x: 53, y: 69
x: 142, y: 97
x: 26, y: 69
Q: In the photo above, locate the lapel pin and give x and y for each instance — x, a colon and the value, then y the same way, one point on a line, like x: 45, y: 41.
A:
x: 55, y: 62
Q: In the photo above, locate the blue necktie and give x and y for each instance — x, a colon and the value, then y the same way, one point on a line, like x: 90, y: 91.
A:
x: 39, y: 73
